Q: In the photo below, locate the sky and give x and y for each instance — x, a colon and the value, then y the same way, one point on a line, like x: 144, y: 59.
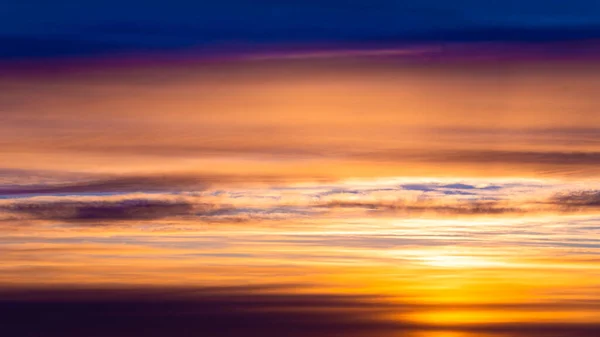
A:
x: 41, y: 29
x: 333, y: 168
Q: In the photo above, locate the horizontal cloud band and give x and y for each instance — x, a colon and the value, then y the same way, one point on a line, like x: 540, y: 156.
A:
x: 84, y: 202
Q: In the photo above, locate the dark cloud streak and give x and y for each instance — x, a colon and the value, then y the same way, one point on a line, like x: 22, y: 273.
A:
x: 415, y: 208
x: 235, y: 311
x: 127, y: 184
x: 132, y: 209
x: 201, y: 312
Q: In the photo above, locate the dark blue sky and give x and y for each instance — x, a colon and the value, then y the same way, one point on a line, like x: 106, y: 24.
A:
x: 69, y: 28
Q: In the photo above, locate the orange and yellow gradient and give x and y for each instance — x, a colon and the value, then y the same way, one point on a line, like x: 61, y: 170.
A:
x: 459, y: 199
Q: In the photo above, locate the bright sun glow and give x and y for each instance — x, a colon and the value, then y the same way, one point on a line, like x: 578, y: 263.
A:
x: 459, y: 261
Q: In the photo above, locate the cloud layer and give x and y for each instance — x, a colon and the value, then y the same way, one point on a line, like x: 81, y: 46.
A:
x: 229, y: 311
x: 154, y: 198
x: 298, y: 117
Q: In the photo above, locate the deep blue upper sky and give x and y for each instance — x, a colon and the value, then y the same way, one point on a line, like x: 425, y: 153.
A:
x: 44, y: 28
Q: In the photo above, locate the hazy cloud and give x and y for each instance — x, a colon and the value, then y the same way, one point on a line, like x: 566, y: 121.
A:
x: 80, y: 204
x: 577, y: 199
x: 132, y: 209
x: 232, y: 311
x: 118, y: 184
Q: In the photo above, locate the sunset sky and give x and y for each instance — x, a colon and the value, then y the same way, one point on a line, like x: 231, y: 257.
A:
x: 313, y: 169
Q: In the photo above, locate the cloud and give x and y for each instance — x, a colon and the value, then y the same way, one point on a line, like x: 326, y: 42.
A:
x: 455, y: 187
x: 105, y: 209
x: 573, y: 200
x: 132, y: 209
x: 110, y: 118
x: 86, y: 210
x: 490, y: 156
x: 263, y: 311
x: 527, y: 157
x: 428, y: 207
x: 117, y: 184
x: 192, y: 197
x: 227, y: 311
x: 64, y: 184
